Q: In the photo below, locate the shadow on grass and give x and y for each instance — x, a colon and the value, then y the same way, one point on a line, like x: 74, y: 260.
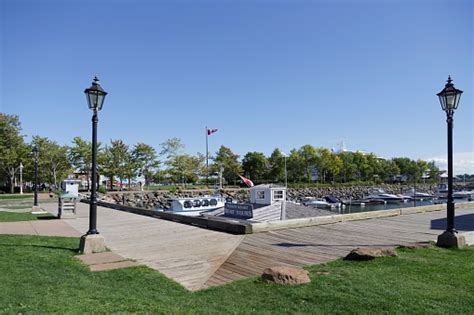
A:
x: 74, y: 250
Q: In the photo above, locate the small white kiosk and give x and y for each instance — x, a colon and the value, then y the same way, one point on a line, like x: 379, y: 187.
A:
x: 267, y: 194
x: 267, y: 203
x: 71, y: 186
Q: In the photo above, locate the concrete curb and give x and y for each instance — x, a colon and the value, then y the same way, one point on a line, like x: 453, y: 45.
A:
x: 215, y: 223
x: 305, y: 222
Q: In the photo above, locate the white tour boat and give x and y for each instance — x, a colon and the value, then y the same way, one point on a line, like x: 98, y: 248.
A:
x: 195, y: 206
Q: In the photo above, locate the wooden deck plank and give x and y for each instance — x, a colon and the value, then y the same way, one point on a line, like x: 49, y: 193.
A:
x: 187, y: 254
x: 199, y: 258
x: 326, y: 242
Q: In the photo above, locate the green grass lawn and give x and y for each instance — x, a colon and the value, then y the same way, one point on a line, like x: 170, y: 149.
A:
x: 40, y: 275
x: 15, y: 196
x: 6, y: 216
x: 16, y: 207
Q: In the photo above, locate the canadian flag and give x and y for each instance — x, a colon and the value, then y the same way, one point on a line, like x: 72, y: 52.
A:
x: 247, y: 181
x: 211, y: 131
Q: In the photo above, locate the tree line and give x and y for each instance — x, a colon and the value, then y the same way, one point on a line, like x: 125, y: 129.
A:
x: 121, y: 162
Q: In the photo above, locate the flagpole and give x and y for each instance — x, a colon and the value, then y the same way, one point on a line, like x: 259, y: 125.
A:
x: 207, y: 157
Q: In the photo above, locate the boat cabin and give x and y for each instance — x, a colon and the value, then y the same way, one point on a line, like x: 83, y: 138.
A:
x: 267, y: 194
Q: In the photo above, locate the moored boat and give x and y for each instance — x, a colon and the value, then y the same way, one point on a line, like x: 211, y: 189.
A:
x: 329, y: 202
x: 442, y: 193
x: 414, y: 194
x: 380, y: 194
x: 195, y: 206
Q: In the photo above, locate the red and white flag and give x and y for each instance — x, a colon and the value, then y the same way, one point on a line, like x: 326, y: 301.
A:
x: 247, y: 181
x: 211, y: 131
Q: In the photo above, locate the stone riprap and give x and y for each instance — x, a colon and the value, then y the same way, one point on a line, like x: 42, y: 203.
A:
x: 160, y: 199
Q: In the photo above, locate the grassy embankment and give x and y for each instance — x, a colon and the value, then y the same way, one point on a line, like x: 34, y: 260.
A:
x: 6, y: 216
x: 16, y: 196
x: 40, y: 275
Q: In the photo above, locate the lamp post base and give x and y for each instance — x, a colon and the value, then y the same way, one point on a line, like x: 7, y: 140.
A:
x: 92, y: 243
x: 451, y: 240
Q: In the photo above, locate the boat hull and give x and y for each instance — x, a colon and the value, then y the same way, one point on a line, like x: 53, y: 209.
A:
x: 190, y: 213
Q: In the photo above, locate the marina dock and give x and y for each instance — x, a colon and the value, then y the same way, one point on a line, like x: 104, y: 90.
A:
x: 199, y: 258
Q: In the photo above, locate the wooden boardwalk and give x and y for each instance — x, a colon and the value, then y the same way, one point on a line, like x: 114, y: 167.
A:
x: 198, y: 258
x: 187, y: 254
x: 320, y: 244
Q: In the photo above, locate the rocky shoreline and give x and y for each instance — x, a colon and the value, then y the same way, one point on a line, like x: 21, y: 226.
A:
x: 160, y: 199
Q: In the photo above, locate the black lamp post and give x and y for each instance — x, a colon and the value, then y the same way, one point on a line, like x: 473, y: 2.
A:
x: 36, y: 154
x: 449, y: 98
x: 95, y: 98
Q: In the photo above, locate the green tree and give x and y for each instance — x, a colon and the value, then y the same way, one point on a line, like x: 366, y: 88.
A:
x: 363, y: 167
x: 297, y: 167
x: 335, y: 166
x: 324, y: 162
x: 310, y: 159
x: 53, y: 159
x: 131, y: 168
x: 388, y: 169
x: 171, y: 149
x: 146, y: 160
x: 229, y: 161
x: 407, y: 167
x: 187, y: 168
x: 349, y: 170
x: 433, y: 171
x: 255, y: 166
x: 276, y: 163
x: 13, y: 149
x: 80, y: 157
x: 115, y: 163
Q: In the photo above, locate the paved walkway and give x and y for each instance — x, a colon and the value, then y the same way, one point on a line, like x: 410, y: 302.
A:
x: 198, y: 258
x: 39, y: 227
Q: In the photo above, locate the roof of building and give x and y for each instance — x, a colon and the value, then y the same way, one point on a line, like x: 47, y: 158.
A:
x: 268, y: 186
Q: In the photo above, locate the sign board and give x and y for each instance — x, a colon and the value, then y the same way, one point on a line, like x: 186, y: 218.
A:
x: 238, y: 210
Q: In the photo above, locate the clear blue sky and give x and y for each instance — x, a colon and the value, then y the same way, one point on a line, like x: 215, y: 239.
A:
x: 265, y: 73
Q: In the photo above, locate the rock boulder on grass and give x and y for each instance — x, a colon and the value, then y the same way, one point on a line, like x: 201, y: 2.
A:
x: 368, y: 253
x: 415, y: 245
x: 286, y: 275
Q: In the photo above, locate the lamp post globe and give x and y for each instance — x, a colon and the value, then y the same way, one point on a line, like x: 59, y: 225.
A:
x: 449, y: 99
x: 95, y: 96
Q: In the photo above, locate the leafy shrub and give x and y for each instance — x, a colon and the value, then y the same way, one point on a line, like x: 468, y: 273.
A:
x: 102, y: 189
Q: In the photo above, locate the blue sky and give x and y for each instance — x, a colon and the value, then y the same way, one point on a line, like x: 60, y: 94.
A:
x: 267, y: 74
